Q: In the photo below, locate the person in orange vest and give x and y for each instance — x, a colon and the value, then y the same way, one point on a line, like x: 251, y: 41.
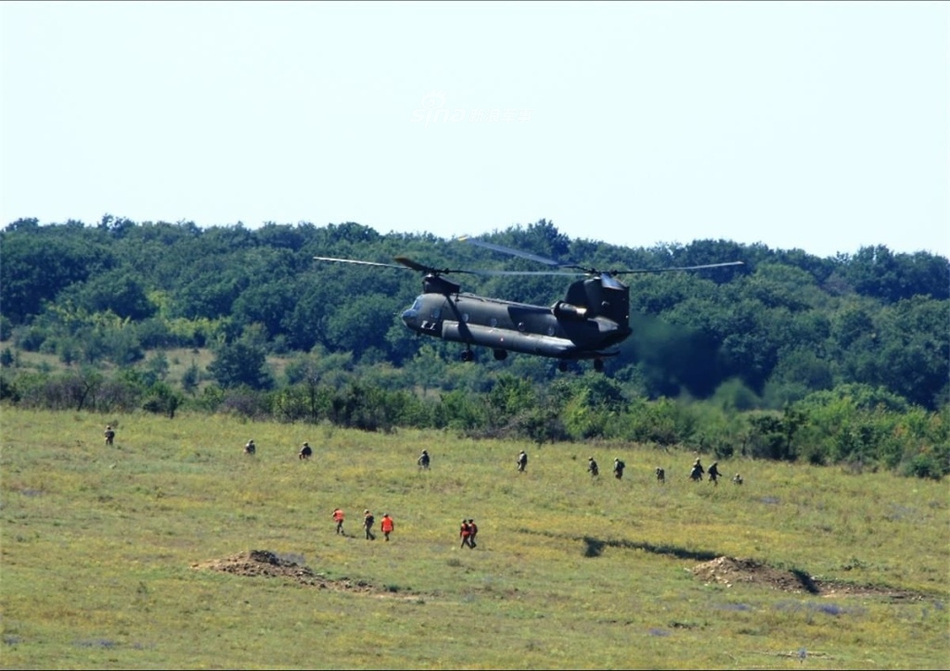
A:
x: 338, y: 518
x: 386, y: 525
x: 466, y: 534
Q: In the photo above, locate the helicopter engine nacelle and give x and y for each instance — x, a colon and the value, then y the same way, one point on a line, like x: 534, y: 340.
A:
x: 436, y: 284
x: 568, y: 312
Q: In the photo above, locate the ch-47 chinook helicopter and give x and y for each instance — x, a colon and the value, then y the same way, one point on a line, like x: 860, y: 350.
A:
x: 593, y: 317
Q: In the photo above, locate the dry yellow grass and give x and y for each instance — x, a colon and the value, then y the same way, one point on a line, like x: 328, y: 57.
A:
x: 98, y: 547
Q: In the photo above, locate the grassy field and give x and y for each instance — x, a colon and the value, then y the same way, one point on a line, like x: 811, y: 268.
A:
x: 106, y: 554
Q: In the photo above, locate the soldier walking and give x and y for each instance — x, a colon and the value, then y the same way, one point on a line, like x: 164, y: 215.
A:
x: 592, y: 467
x: 522, y: 461
x: 696, y: 474
x: 368, y: 521
x: 618, y: 469
x: 423, y: 460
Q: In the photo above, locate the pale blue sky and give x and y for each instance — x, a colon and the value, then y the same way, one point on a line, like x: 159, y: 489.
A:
x: 819, y: 126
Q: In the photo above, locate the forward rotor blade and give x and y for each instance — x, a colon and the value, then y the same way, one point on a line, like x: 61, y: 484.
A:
x: 359, y: 263
x: 409, y: 263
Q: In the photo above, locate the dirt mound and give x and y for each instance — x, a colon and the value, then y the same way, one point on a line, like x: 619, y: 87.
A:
x: 730, y: 571
x: 270, y: 564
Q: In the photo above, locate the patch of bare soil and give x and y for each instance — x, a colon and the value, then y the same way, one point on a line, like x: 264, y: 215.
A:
x: 730, y: 571
x: 270, y: 564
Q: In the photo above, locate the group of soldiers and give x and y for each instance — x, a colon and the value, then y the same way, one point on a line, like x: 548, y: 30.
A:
x: 594, y: 469
x: 305, y: 451
x: 386, y: 525
x: 696, y: 473
x: 469, y: 530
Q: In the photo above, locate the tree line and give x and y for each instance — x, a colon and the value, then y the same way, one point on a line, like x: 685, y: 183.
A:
x: 790, y: 356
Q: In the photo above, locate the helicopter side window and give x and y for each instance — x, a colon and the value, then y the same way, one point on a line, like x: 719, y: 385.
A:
x: 436, y: 313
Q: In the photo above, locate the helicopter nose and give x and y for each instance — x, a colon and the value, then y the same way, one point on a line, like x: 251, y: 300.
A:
x: 409, y: 317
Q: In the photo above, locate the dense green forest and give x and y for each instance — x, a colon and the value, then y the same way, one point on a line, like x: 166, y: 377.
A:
x: 790, y: 356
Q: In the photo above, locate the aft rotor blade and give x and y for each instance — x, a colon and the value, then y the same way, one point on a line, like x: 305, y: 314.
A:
x: 549, y: 273
x: 359, y: 263
x: 669, y: 270
x: 514, y: 252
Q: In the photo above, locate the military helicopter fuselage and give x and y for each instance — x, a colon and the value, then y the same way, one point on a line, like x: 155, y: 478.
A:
x: 591, y: 318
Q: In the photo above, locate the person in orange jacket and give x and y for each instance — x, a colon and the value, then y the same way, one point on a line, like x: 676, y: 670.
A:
x: 338, y: 518
x: 465, y: 533
x: 386, y: 525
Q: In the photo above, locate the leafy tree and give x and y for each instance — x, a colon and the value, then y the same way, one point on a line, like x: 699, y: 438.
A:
x: 239, y: 364
x: 360, y: 323
x: 156, y: 368
x: 509, y: 396
x: 190, y: 378
x: 39, y: 263
x: 117, y: 291
x: 877, y: 272
x: 267, y: 304
x: 162, y: 399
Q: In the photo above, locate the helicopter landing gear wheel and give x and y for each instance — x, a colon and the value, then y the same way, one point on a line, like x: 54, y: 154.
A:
x: 599, y: 365
x: 501, y: 354
x: 468, y: 355
x: 562, y: 366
